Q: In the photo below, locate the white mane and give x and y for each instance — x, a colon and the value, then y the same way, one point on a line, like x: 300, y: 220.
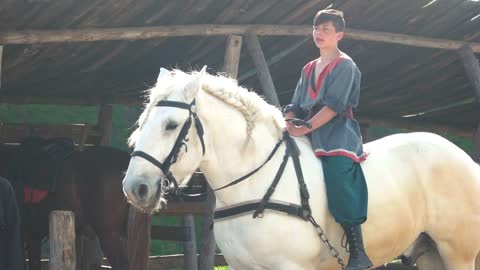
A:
x: 250, y: 104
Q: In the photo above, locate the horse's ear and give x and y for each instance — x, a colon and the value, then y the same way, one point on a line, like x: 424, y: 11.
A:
x: 163, y: 73
x: 192, y: 87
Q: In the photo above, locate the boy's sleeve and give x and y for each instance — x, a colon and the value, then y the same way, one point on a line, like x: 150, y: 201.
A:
x: 297, y: 99
x: 297, y: 96
x: 343, y: 90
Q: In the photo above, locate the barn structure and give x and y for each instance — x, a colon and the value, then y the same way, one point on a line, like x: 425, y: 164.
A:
x: 418, y: 58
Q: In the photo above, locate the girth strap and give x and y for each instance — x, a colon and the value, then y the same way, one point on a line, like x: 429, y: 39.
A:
x: 290, y: 209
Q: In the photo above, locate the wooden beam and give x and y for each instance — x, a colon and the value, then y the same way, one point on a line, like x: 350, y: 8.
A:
x: 62, y: 241
x: 364, y: 133
x: 472, y: 68
x: 171, y: 233
x: 183, y: 208
x: 415, y: 125
x: 176, y: 261
x: 275, y: 58
x: 207, y: 244
x: 104, y: 123
x: 256, y: 52
x: 157, y: 262
x: 476, y: 145
x: 138, y: 238
x: 16, y: 132
x: 1, y: 57
x: 190, y: 245
x: 134, y: 33
x: 83, y: 101
x: 232, y: 55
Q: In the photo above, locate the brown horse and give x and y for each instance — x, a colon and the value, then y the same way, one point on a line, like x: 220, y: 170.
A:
x: 89, y: 184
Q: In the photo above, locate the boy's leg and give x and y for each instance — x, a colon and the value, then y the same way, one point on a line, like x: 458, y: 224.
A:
x: 347, y: 201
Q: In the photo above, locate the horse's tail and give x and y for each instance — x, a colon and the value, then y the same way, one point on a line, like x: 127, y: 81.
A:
x: 138, y: 243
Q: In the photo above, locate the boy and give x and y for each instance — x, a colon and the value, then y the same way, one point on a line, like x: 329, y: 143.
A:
x: 328, y: 89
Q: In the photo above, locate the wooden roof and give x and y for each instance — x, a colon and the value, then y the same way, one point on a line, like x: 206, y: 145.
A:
x: 398, y: 80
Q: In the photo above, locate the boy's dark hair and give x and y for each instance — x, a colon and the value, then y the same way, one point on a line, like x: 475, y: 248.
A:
x: 330, y: 15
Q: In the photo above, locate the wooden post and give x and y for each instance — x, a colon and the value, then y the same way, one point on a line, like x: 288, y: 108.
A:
x: 1, y: 57
x: 89, y: 253
x: 190, y: 246
x: 232, y: 55
x: 138, y: 242
x: 364, y: 131
x: 105, y: 123
x: 83, y: 137
x: 260, y: 63
x: 62, y: 241
x: 472, y: 68
x: 476, y: 145
x: 208, y: 244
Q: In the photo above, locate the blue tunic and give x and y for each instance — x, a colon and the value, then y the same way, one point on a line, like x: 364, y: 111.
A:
x: 338, y: 87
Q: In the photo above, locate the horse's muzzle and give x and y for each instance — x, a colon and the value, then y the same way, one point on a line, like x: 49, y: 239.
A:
x: 145, y: 196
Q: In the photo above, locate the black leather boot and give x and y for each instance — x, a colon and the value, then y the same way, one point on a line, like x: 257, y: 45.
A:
x: 358, y: 259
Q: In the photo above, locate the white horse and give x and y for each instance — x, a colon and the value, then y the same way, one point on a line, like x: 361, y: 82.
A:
x: 417, y: 182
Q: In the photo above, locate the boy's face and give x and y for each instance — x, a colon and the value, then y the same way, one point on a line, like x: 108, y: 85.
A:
x: 325, y: 35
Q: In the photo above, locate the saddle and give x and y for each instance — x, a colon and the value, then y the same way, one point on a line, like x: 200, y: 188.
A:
x: 37, y: 165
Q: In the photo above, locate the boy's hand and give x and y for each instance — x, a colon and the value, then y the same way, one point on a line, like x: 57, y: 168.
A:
x: 288, y: 123
x: 297, y: 131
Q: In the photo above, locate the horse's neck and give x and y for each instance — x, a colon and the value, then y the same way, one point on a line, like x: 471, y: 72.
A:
x: 231, y: 153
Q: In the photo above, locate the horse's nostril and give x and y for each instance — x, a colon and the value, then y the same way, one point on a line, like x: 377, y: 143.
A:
x: 142, y: 191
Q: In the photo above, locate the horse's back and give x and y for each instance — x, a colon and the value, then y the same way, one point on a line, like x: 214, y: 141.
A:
x: 421, y: 182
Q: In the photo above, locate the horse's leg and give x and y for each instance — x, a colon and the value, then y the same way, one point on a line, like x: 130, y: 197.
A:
x: 33, y: 244
x: 477, y: 262
x: 114, y: 246
x: 455, y: 258
x: 423, y: 252
x: 430, y: 260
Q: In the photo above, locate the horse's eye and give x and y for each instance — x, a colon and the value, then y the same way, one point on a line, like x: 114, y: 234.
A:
x: 171, y: 126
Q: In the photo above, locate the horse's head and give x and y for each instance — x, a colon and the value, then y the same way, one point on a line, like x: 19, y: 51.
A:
x: 168, y: 144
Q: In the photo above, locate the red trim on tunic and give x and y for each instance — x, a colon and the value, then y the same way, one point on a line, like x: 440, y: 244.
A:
x: 345, y: 153
x: 313, y: 94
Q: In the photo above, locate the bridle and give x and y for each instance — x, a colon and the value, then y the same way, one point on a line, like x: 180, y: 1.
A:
x: 181, y: 141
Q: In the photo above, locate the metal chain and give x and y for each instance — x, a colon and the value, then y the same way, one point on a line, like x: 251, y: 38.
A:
x: 325, y: 240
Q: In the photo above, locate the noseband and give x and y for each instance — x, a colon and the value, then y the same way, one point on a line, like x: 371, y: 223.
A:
x: 181, y: 141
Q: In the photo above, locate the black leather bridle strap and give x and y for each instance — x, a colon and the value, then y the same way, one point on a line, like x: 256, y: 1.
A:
x: 146, y: 156
x: 254, y: 171
x: 175, y: 104
x: 193, y: 112
x: 304, y: 195
x: 179, y: 142
x: 271, y: 189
